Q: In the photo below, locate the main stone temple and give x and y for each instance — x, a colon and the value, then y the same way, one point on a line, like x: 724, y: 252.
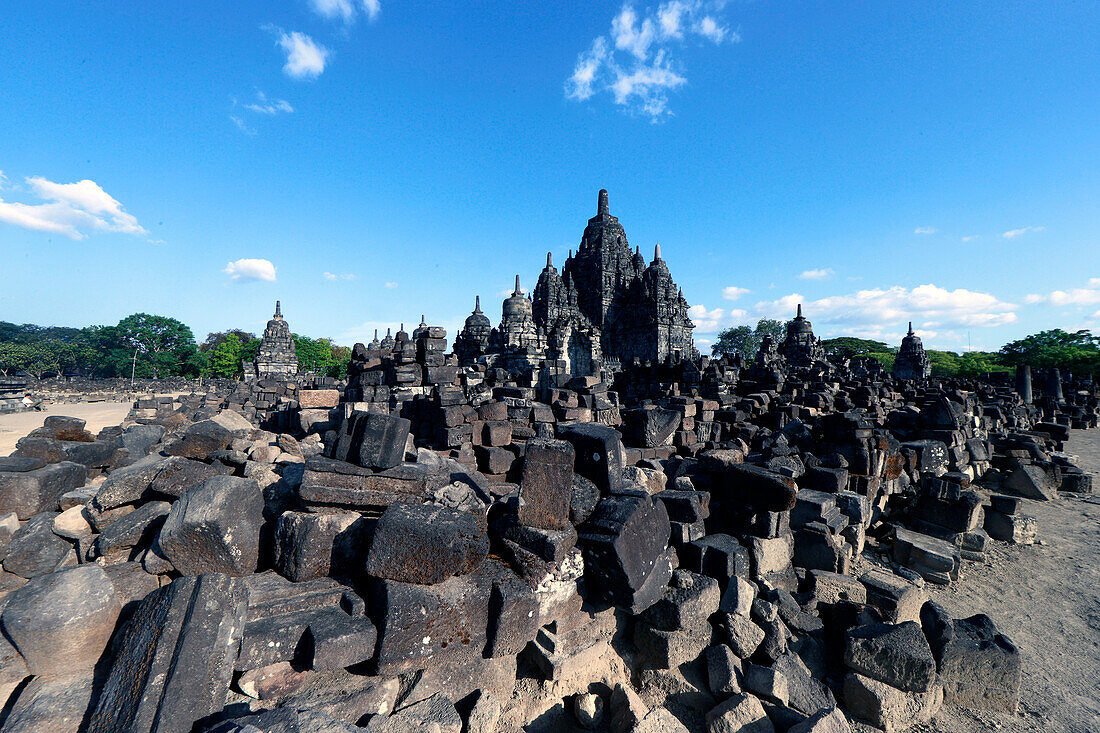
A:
x: 605, y: 310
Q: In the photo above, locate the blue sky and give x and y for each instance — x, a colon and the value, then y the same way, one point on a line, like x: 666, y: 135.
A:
x: 367, y: 161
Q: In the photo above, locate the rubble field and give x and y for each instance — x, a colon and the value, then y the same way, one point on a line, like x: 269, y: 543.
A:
x: 787, y: 546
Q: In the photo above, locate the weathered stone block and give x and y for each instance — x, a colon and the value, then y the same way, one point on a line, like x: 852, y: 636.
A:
x: 426, y: 544
x: 546, y: 484
x: 215, y: 528
x: 61, y: 622
x: 175, y: 658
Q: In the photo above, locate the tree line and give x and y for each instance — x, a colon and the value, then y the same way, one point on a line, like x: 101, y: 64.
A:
x: 148, y: 346
x: 1077, y: 352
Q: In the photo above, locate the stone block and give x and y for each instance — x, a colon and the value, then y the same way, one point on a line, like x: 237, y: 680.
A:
x: 175, y: 657
x: 426, y: 544
x: 61, y: 622
x: 312, y: 399
x: 897, y: 654
x: 313, y: 545
x: 546, y: 484
x: 215, y: 528
x: 624, y: 543
x: 599, y: 453
x: 887, y: 707
x: 38, y: 490
x: 741, y: 713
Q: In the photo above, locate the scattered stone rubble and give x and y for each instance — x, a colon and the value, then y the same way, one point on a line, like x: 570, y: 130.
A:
x: 695, y: 545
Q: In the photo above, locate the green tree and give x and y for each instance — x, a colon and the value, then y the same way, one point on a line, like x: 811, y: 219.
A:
x: 886, y: 358
x: 164, y: 344
x: 849, y: 347
x: 341, y: 357
x: 744, y: 340
x: 213, y: 340
x: 225, y: 358
x: 37, y: 359
x: 314, y: 355
x: 1078, y: 352
x: 944, y: 363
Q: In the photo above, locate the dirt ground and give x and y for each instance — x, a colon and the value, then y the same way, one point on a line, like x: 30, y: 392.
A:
x: 1046, y: 599
x: 99, y: 415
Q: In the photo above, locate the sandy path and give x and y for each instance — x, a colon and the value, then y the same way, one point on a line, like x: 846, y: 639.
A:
x: 1046, y: 598
x: 99, y: 415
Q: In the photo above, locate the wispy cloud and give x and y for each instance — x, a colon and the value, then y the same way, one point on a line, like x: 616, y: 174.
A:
x: 970, y: 237
x: 1013, y: 233
x: 333, y: 277
x: 390, y: 285
x: 242, y: 125
x: 305, y: 58
x: 3, y: 181
x: 265, y: 106
x: 248, y: 269
x: 634, y: 63
x: 822, y: 274
x: 346, y: 10
x: 924, y: 230
x: 733, y: 293
x: 71, y: 209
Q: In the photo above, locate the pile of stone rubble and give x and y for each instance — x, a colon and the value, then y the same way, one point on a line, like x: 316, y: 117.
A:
x: 453, y: 548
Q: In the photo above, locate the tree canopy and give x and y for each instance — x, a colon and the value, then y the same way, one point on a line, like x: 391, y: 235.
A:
x: 744, y: 340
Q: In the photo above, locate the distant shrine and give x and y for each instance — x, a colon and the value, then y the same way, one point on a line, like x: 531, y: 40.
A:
x: 606, y: 310
x: 276, y: 354
x: 911, y: 362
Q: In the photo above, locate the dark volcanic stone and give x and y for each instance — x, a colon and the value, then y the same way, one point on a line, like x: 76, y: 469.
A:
x: 34, y: 549
x: 897, y: 654
x: 426, y: 544
x: 175, y: 657
x: 546, y: 485
x: 62, y: 621
x: 215, y: 527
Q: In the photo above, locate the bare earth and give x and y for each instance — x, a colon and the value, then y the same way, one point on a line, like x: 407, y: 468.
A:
x: 1046, y: 599
x: 98, y: 414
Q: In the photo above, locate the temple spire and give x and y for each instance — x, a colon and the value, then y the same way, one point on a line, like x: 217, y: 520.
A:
x: 376, y: 334
x: 517, y: 291
x: 422, y: 321
x: 477, y: 304
x: 910, y: 328
x: 549, y: 259
x: 657, y: 252
x: 603, y: 208
x: 799, y: 311
x: 278, y: 310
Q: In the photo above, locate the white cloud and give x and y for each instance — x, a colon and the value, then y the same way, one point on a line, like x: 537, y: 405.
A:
x: 645, y: 87
x: 637, y: 68
x: 822, y: 274
x: 390, y: 285
x: 1013, y: 233
x: 733, y: 293
x: 706, y: 321
x: 265, y: 106
x: 345, y: 10
x: 887, y: 306
x: 712, y: 30
x: 3, y: 181
x: 242, y: 125
x: 579, y: 86
x: 1076, y: 296
x: 305, y: 58
x: 924, y: 230
x: 251, y: 269
x: 1086, y: 296
x: 333, y: 277
x: 970, y: 237
x: 72, y: 209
